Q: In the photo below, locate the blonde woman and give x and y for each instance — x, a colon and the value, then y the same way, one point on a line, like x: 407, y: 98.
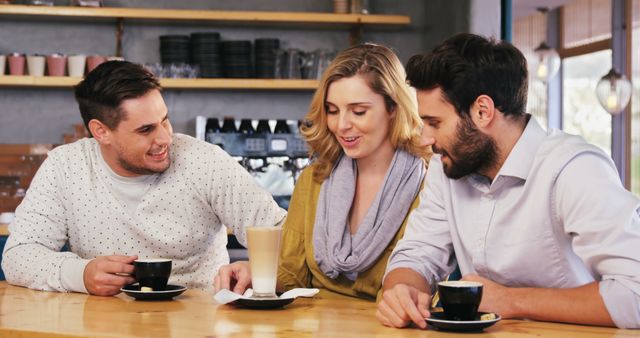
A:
x: 349, y: 208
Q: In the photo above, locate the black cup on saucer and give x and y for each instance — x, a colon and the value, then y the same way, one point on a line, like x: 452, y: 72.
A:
x: 460, y: 299
x: 153, y: 273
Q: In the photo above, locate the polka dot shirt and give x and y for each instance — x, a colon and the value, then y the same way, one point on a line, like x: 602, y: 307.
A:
x: 70, y: 200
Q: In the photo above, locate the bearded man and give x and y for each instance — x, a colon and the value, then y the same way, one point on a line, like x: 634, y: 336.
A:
x: 540, y: 218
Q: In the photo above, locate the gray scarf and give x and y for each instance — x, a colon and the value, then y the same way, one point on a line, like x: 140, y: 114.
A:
x: 335, y: 250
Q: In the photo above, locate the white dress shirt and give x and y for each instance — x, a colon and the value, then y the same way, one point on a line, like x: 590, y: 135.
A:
x: 74, y: 197
x: 555, y: 216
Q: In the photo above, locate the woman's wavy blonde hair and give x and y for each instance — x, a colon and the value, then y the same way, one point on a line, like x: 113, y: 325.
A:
x: 386, y: 76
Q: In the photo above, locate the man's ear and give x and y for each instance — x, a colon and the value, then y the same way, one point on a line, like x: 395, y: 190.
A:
x: 483, y: 111
x: 100, y: 131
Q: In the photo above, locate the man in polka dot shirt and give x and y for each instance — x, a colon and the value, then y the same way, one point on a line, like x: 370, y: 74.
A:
x: 133, y: 190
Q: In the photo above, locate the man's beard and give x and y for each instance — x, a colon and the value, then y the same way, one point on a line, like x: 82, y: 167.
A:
x: 471, y: 152
x: 140, y: 170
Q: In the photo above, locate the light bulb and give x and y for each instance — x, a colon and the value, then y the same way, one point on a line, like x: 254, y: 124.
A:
x: 612, y: 102
x: 542, y: 71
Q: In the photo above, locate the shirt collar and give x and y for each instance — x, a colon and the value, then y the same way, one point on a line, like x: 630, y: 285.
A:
x: 520, y: 159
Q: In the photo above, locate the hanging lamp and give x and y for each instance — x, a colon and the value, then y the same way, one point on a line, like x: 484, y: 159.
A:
x: 547, y: 60
x: 614, y: 92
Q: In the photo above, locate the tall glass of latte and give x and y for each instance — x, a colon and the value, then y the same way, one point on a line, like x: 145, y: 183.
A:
x: 264, y: 249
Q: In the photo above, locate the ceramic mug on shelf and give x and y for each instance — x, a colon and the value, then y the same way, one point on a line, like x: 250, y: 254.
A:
x: 35, y: 65
x: 76, y: 65
x: 56, y: 64
x: 16, y: 63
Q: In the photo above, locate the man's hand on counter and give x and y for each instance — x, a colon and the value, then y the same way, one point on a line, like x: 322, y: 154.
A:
x: 105, y: 275
x: 235, y: 277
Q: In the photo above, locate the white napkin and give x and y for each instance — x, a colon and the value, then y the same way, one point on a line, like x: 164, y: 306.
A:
x: 225, y: 296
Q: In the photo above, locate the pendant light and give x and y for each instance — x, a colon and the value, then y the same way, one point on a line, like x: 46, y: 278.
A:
x: 547, y: 60
x: 614, y: 92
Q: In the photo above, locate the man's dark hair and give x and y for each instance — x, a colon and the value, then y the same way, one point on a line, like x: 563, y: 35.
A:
x: 466, y: 66
x: 101, y: 93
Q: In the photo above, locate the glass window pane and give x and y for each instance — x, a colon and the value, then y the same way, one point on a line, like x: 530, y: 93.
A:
x: 537, y: 101
x: 582, y: 113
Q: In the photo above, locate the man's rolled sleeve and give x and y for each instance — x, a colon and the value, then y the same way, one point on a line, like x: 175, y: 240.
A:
x: 622, y: 303
x: 72, y: 274
x: 426, y: 246
x: 604, y: 221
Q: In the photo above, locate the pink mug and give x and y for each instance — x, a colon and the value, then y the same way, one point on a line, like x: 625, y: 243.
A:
x: 94, y: 61
x: 16, y: 63
x: 56, y: 63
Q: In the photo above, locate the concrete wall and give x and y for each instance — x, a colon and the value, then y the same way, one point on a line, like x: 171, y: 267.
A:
x: 485, y: 18
x: 43, y: 115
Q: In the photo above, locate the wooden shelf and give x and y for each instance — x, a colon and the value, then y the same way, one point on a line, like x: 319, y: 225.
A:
x: 37, y: 81
x: 203, y: 15
x: 261, y: 84
x: 239, y: 84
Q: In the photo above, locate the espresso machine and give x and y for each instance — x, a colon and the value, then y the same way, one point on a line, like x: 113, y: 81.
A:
x: 273, y: 151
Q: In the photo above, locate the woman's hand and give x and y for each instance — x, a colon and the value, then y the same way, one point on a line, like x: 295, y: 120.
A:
x: 235, y: 277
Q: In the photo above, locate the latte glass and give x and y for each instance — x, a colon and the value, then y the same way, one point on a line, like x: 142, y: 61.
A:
x: 264, y: 250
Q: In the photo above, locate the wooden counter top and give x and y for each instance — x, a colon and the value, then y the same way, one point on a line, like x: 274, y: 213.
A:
x: 25, y: 312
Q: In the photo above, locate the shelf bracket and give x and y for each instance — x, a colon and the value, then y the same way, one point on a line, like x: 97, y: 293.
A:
x: 119, y: 34
x: 355, y: 34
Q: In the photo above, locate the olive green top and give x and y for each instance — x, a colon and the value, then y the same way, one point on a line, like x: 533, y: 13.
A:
x: 298, y: 268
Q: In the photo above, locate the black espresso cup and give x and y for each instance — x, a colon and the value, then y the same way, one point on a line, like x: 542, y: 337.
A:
x: 460, y: 299
x: 153, y: 273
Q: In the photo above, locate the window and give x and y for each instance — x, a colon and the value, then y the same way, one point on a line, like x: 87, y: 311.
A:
x: 586, y: 57
x: 582, y: 113
x: 584, y: 36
